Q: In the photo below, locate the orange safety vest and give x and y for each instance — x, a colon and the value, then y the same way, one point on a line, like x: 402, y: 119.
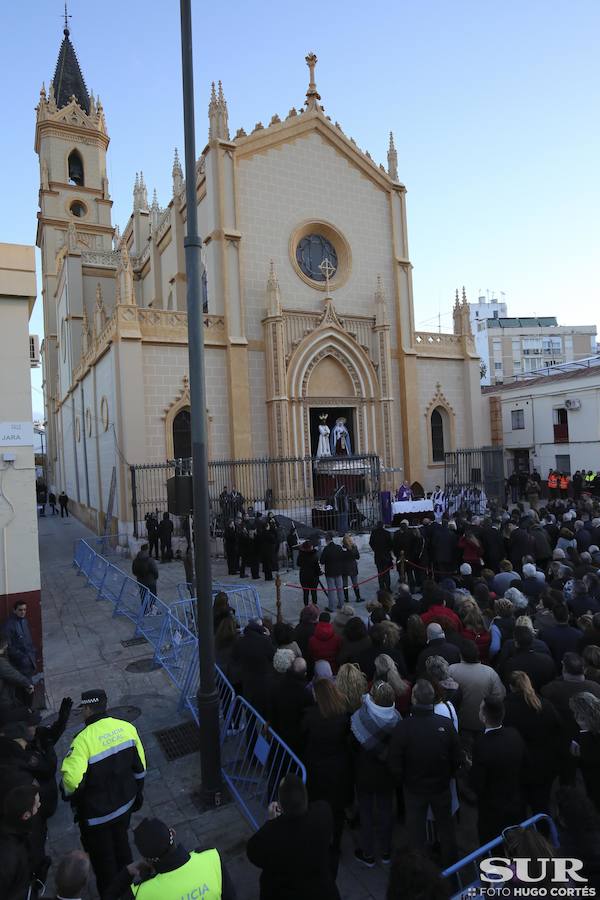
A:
x: 552, y: 481
x: 564, y: 482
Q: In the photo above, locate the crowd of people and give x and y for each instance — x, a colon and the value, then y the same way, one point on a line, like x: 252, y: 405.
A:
x: 467, y: 692
x: 472, y: 688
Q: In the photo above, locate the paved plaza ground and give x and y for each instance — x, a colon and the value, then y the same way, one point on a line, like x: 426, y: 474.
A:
x: 83, y: 650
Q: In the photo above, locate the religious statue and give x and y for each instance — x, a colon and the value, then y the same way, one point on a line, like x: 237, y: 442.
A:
x: 71, y: 237
x: 339, y: 439
x: 404, y: 492
x: 439, y: 502
x: 323, y: 448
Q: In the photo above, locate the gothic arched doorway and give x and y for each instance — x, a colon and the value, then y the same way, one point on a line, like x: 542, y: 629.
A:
x: 182, y: 435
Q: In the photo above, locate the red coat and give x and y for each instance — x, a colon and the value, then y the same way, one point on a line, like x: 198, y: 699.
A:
x: 325, y: 644
x: 442, y: 614
x: 483, y: 640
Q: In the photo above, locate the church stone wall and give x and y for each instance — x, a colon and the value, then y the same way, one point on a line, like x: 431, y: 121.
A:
x: 258, y: 399
x: 107, y: 440
x: 304, y: 180
x: 163, y: 370
x: 217, y: 402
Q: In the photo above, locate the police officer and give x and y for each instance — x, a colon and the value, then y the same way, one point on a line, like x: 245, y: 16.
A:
x: 102, y: 777
x: 169, y: 870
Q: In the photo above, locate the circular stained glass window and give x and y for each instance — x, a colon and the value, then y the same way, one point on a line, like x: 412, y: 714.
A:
x: 311, y: 252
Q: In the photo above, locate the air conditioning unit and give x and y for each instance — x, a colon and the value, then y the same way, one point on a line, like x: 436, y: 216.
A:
x: 573, y: 403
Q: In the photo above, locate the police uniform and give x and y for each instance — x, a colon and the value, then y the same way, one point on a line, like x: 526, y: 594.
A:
x: 102, y: 777
x: 175, y: 872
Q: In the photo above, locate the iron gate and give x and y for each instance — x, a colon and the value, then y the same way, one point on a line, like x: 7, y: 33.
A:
x: 339, y: 493
x: 474, y: 478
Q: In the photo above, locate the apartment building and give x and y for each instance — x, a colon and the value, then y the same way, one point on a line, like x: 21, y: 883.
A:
x: 549, y: 419
x: 513, y: 346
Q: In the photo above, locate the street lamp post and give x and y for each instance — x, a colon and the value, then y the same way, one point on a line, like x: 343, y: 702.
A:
x: 208, y: 698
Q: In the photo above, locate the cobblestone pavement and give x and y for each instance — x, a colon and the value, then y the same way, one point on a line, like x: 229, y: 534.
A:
x: 83, y: 649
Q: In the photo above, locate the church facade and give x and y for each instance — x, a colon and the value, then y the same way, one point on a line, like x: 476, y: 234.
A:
x: 307, y: 292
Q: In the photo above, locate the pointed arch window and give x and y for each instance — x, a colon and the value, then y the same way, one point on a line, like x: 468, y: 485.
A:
x: 182, y: 434
x: 437, y: 434
x: 75, y: 166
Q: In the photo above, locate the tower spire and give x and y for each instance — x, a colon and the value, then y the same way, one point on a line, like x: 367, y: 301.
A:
x: 68, y: 81
x: 392, y: 159
x: 312, y: 95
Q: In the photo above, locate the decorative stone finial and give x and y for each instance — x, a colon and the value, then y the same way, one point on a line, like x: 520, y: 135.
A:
x: 312, y: 95
x: 392, y: 160
x: 381, y: 317
x: 464, y: 296
x: 456, y: 299
x: 273, y: 293
x: 177, y: 175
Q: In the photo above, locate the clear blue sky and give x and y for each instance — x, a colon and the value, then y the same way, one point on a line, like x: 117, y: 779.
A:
x: 494, y: 108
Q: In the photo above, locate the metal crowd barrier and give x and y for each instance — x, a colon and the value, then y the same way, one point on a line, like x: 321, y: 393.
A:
x: 189, y: 696
x: 254, y: 760
x: 243, y: 599
x: 464, y: 875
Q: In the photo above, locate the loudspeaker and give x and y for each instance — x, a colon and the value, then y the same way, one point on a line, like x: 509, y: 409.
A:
x: 180, y: 495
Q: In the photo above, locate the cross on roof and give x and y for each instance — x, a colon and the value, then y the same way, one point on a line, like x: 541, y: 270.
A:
x: 67, y: 16
x: 327, y: 270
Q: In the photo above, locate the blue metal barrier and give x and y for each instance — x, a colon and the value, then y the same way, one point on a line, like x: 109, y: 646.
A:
x: 464, y: 875
x: 130, y: 600
x: 87, y: 559
x: 176, y: 647
x: 254, y: 760
x: 189, y: 695
x: 243, y: 599
x: 97, y: 572
x: 151, y: 619
x: 79, y: 553
x: 112, y: 585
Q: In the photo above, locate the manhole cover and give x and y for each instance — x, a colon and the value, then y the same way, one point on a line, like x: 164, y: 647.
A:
x: 179, y: 741
x: 129, y: 713
x: 146, y: 664
x: 134, y: 642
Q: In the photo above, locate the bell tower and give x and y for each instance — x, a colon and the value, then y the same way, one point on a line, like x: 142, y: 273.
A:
x: 74, y: 214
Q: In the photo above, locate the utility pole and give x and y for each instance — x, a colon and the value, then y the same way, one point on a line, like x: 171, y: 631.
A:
x: 208, y: 698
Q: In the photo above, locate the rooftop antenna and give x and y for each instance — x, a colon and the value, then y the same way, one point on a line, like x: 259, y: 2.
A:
x: 66, y: 16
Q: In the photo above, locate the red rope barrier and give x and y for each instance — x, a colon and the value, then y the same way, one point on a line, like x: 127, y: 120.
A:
x: 325, y: 590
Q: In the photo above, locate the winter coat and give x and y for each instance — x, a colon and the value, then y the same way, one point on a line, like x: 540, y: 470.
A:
x: 380, y: 543
x: 437, y: 647
x: 21, y: 649
x: 351, y: 651
x: 493, y: 547
x: 476, y: 681
x: 325, y: 644
x: 340, y: 620
x: 424, y: 752
x: 302, y: 635
x: 444, y: 548
x: 349, y: 564
x: 332, y: 560
x: 293, y: 853
x: 542, y: 733
x: 291, y: 698
x: 309, y: 568
x: 10, y: 681
x: 254, y: 652
x: 539, y: 666
x: 520, y: 544
x: 145, y: 570
x: 328, y: 758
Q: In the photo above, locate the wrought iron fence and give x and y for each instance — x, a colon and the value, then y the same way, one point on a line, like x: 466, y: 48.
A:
x: 337, y: 493
x: 474, y: 479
